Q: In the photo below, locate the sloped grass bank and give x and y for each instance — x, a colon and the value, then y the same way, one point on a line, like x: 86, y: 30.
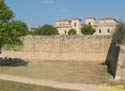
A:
x: 15, y: 86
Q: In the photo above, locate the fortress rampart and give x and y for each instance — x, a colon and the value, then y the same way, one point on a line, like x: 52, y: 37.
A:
x: 79, y: 48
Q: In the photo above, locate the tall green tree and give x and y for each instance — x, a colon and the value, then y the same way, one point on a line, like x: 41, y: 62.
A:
x: 87, y: 30
x: 72, y: 32
x: 5, y: 13
x: 19, y: 28
x: 46, y: 30
x: 10, y: 30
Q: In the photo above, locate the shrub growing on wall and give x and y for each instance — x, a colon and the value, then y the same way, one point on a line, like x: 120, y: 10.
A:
x: 46, y: 30
x: 87, y: 30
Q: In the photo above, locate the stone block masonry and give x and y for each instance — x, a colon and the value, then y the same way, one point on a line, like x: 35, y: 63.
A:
x: 120, y: 71
x: 78, y: 47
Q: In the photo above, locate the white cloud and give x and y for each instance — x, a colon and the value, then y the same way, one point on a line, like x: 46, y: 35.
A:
x: 47, y: 1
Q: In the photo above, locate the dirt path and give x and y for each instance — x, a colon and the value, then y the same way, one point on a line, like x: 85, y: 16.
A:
x: 81, y: 87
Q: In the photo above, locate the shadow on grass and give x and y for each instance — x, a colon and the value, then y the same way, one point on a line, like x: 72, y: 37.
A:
x: 12, y: 62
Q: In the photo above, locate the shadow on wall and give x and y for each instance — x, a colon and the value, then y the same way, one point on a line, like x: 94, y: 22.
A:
x: 112, y: 58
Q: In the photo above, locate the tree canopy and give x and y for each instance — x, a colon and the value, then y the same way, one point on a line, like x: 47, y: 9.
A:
x: 72, y: 32
x: 87, y: 30
x: 5, y: 13
x: 10, y: 30
x: 46, y: 30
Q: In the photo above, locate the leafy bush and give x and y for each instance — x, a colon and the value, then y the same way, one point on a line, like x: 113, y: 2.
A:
x: 87, y: 30
x: 46, y: 30
x: 12, y: 62
x: 10, y: 30
x: 72, y: 32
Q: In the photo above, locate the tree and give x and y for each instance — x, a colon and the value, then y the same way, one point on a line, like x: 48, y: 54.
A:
x: 87, y: 30
x: 19, y: 28
x: 72, y: 32
x: 46, y: 30
x: 11, y: 31
x: 5, y: 13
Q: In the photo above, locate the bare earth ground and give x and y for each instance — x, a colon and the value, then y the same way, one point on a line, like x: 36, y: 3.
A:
x: 62, y: 71
x: 60, y: 74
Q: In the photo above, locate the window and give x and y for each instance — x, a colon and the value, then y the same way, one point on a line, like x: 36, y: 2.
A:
x: 100, y: 31
x: 75, y: 24
x: 69, y: 22
x: 89, y: 23
x: 108, y: 30
x: 60, y: 24
x: 65, y: 31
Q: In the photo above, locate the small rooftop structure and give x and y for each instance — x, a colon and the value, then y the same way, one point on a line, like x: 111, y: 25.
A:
x: 76, y: 19
x: 63, y: 20
x: 69, y: 20
x: 91, y: 18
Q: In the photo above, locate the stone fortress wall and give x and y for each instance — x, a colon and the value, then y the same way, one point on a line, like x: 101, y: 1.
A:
x: 120, y: 70
x: 78, y: 47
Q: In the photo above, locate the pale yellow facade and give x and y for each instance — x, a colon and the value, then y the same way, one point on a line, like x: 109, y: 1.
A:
x: 63, y: 26
x: 105, y: 26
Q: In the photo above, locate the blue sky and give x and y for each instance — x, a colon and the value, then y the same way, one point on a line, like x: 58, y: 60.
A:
x: 39, y: 12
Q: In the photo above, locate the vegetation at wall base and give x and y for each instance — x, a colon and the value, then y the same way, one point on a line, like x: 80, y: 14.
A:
x: 16, y: 86
x: 12, y: 62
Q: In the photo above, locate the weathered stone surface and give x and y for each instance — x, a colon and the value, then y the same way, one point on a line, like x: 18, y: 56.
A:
x: 120, y: 71
x: 87, y: 48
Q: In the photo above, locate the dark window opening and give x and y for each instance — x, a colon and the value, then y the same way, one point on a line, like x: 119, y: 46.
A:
x: 75, y: 24
x: 100, y: 31
x: 65, y: 31
x: 89, y: 23
x: 108, y: 31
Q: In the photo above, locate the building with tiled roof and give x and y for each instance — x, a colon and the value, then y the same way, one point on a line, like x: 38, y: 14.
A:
x: 105, y: 26
x: 63, y: 26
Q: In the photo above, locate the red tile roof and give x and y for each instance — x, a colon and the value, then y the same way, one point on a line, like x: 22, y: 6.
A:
x: 107, y: 18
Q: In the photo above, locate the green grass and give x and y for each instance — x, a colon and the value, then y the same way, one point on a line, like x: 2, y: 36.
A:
x: 104, y: 73
x: 14, y: 86
x: 62, y: 71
